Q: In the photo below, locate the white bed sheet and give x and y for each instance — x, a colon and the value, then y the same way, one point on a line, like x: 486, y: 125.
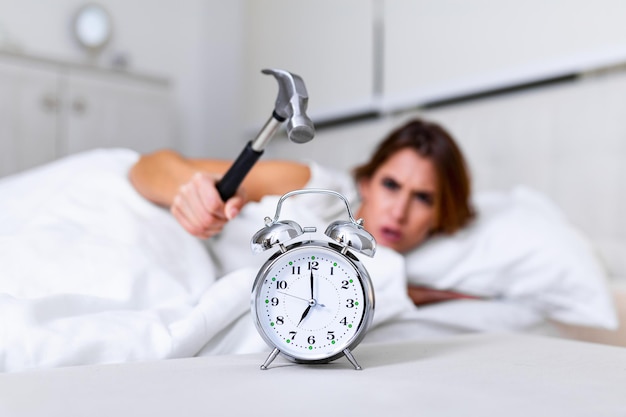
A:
x: 92, y: 273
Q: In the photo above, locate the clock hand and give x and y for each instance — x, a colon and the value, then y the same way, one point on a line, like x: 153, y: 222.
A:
x: 305, y: 314
x: 312, y: 297
x: 294, y: 296
x: 300, y: 298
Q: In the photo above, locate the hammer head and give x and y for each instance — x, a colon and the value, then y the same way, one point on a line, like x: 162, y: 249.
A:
x: 291, y: 104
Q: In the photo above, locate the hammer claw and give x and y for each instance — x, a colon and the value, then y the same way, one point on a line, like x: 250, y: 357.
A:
x: 291, y: 104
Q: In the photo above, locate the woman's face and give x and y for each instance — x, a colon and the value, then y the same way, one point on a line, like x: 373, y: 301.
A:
x: 399, y: 204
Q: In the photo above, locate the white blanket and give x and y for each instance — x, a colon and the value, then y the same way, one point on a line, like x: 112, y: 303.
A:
x: 93, y: 273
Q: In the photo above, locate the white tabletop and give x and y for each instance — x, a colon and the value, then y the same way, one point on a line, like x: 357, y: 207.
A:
x: 475, y: 375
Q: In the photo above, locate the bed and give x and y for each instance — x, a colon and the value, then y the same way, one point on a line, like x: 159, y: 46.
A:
x: 95, y: 274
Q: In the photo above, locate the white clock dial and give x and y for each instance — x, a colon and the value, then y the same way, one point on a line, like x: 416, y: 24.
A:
x: 92, y: 26
x: 310, y: 302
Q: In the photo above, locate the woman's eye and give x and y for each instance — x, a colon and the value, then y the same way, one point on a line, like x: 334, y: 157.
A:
x: 425, y: 197
x: 390, y: 184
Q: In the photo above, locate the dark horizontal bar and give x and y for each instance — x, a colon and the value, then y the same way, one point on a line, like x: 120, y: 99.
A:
x: 498, y: 91
x: 372, y: 114
x: 340, y: 121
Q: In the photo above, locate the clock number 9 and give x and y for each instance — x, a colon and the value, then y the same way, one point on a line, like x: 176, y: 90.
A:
x: 274, y: 301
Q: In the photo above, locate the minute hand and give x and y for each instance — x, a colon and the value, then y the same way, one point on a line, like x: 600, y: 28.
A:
x: 300, y: 298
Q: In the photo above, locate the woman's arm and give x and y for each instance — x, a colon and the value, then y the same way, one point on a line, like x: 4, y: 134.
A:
x: 424, y: 295
x: 187, y: 187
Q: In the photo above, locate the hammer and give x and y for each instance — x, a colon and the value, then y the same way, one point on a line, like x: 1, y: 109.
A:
x: 290, y: 106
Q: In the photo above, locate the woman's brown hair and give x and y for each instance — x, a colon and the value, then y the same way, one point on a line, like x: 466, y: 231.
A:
x: 433, y: 142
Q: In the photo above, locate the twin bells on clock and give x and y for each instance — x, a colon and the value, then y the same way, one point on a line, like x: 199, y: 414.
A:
x: 348, y: 234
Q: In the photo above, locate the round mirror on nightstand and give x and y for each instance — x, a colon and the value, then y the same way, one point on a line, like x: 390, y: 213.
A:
x: 92, y: 27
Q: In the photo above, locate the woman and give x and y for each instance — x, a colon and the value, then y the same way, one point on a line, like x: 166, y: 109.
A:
x: 415, y: 185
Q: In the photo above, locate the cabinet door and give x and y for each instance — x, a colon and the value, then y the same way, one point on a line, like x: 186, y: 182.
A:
x: 28, y: 116
x: 115, y: 110
x: 328, y: 43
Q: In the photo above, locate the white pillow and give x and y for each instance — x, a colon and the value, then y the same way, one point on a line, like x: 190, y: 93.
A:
x: 522, y: 250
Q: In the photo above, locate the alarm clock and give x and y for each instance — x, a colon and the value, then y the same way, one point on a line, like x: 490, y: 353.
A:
x: 313, y: 300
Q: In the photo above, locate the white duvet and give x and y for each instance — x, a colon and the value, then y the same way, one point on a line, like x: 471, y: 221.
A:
x: 90, y: 272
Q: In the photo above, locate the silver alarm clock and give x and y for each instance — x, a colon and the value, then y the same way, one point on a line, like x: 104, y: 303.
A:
x: 313, y: 300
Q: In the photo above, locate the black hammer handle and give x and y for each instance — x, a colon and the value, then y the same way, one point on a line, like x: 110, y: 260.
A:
x: 227, y: 186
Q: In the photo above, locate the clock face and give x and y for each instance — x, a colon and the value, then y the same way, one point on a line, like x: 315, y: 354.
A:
x: 92, y: 26
x: 312, y: 302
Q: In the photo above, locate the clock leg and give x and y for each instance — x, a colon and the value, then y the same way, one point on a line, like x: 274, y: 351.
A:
x: 351, y: 359
x: 270, y: 358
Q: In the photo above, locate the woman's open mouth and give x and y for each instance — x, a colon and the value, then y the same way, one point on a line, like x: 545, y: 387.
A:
x: 390, y: 235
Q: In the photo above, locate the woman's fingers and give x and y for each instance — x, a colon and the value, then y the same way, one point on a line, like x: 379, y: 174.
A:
x: 234, y: 204
x: 199, y: 208
x: 188, y: 220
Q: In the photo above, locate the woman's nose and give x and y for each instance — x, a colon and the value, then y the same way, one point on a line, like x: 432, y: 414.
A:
x: 400, y: 207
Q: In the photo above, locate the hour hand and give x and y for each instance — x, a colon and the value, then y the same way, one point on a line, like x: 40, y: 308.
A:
x: 306, y: 312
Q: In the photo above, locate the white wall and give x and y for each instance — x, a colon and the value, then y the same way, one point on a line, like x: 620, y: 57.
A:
x: 197, y: 44
x: 359, y: 56
x: 201, y: 46
x: 440, y: 49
